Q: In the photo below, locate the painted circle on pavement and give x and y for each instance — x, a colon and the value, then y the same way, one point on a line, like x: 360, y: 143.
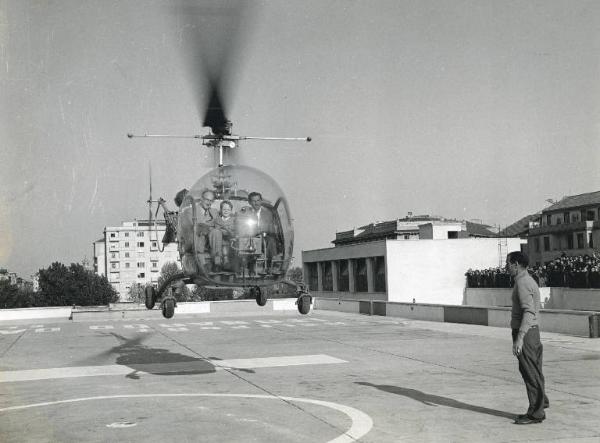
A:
x: 361, y: 422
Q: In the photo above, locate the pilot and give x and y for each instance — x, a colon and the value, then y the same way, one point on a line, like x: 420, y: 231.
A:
x: 264, y: 223
x: 171, y: 217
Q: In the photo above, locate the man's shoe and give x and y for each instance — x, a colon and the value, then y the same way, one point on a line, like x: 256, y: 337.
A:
x: 527, y: 420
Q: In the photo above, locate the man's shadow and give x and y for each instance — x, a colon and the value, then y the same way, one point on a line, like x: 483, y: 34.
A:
x: 436, y: 400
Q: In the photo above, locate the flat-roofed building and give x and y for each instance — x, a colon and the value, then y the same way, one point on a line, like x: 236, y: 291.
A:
x: 421, y: 259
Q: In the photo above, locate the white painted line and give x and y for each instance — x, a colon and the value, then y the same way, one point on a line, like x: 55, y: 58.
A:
x: 270, y: 362
x: 183, y: 329
x: 47, y: 330
x: 234, y: 322
x: 162, y: 368
x: 361, y: 422
x: 101, y: 327
x: 12, y: 331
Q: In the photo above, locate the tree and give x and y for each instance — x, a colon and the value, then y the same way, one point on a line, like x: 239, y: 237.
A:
x: 137, y: 293
x: 182, y: 292
x: 295, y: 274
x: 75, y: 285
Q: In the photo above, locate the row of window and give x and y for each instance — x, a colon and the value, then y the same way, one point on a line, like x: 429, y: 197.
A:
x: 572, y: 217
x: 140, y: 244
x: 576, y: 241
x: 140, y: 265
x: 116, y: 276
x: 115, y: 235
x: 343, y: 267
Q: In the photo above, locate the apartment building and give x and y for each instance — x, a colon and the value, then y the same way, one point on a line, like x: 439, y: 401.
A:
x: 132, y: 253
x: 570, y: 226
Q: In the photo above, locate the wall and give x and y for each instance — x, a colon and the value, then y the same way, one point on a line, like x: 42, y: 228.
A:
x: 551, y: 298
x: 433, y: 271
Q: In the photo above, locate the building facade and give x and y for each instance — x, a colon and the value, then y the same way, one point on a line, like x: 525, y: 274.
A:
x: 570, y: 226
x: 130, y: 254
x: 422, y: 260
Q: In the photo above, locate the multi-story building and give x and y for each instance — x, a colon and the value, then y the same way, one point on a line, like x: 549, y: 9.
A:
x: 570, y: 226
x: 133, y: 253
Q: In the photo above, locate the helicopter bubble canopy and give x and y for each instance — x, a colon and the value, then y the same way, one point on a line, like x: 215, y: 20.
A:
x: 235, y: 228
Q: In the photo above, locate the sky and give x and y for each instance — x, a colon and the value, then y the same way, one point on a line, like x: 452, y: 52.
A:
x: 475, y: 110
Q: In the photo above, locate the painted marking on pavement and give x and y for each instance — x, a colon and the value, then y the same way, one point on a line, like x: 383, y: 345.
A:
x: 190, y: 366
x: 47, y: 330
x: 12, y: 331
x: 361, y: 422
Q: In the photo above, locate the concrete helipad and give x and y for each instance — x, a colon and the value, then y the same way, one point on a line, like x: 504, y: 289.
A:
x: 284, y: 377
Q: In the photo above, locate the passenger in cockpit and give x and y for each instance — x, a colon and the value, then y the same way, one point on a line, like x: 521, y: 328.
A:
x: 223, y: 231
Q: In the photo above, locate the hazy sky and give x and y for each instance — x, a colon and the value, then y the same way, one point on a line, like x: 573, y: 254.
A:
x: 467, y: 109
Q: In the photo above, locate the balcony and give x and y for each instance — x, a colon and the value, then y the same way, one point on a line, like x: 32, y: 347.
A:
x: 565, y: 227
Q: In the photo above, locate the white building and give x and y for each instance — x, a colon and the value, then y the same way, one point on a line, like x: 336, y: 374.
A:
x: 130, y: 254
x: 422, y: 259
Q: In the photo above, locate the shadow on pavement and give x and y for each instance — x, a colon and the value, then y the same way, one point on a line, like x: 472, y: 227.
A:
x: 436, y: 400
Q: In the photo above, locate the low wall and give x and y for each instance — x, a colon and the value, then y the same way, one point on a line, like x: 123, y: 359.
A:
x: 551, y: 298
x: 63, y: 312
x: 133, y: 311
x: 579, y: 323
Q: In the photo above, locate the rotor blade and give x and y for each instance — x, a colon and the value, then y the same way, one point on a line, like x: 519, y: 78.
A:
x: 210, y: 41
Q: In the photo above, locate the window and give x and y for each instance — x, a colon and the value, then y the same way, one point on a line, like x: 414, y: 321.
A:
x: 536, y: 244
x: 127, y: 264
x: 126, y: 244
x: 546, y: 243
x: 548, y: 220
x: 154, y: 245
x: 379, y: 274
x: 570, y: 241
x: 113, y: 235
x: 141, y: 264
x: 327, y: 276
x: 114, y: 265
x: 141, y: 275
x: 343, y: 276
x: 140, y: 234
x: 580, y: 244
x: 360, y: 276
x: 591, y: 215
x: 590, y: 240
x: 127, y: 255
x: 452, y: 234
x: 127, y: 234
x: 155, y: 264
x: 114, y: 255
x: 566, y: 217
x: 140, y: 244
x: 313, y: 276
x: 406, y: 236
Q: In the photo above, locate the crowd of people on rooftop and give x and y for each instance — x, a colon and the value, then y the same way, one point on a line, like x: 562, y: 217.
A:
x: 581, y: 271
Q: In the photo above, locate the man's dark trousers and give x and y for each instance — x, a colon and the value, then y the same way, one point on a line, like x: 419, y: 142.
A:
x: 530, y: 367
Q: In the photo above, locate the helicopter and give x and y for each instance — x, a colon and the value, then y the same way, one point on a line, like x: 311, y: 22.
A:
x: 246, y: 244
x: 233, y: 227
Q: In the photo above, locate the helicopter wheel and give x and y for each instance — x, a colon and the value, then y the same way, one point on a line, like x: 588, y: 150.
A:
x: 304, y: 304
x: 150, y: 293
x: 261, y: 298
x: 168, y: 308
